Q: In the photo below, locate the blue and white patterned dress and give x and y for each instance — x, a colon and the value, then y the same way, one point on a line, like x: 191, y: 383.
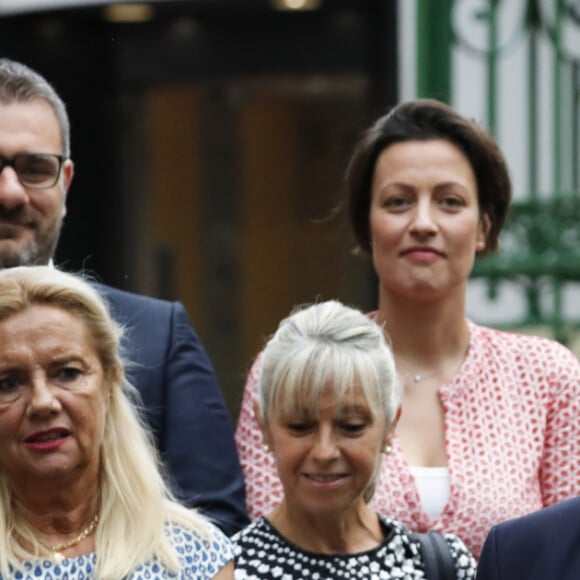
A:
x: 200, y: 560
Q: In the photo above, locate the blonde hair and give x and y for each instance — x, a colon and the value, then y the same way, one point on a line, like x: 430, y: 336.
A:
x: 135, y: 502
x: 322, y: 345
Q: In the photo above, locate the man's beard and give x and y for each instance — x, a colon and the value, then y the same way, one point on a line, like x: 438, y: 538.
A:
x: 27, y: 257
x: 40, y: 250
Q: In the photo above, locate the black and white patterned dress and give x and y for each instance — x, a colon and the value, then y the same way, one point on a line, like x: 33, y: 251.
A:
x: 266, y: 554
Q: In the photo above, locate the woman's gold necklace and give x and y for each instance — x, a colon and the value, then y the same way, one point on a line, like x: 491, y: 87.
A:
x: 57, y: 549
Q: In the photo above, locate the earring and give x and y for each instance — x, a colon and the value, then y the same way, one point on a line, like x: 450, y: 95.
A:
x: 266, y: 448
x: 388, y: 449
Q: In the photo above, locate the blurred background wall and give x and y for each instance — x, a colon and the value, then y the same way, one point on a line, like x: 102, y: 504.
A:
x: 210, y: 139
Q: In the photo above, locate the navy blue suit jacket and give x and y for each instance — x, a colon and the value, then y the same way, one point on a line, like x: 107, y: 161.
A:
x: 544, y: 545
x: 184, y: 405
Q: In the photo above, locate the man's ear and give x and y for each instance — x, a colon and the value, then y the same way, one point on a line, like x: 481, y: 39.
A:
x: 67, y: 176
x: 263, y: 427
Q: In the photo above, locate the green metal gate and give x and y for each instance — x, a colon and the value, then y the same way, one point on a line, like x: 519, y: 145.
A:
x: 541, y: 241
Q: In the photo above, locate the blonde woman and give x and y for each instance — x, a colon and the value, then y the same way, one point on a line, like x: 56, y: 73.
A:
x: 327, y: 405
x: 81, y: 493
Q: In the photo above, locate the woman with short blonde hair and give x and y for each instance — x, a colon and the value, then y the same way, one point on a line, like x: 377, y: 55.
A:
x: 328, y: 401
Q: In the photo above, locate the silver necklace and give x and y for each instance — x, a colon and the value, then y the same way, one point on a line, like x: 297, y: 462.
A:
x: 418, y: 377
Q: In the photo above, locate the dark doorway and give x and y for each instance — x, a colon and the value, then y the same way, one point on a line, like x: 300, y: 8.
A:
x: 210, y: 142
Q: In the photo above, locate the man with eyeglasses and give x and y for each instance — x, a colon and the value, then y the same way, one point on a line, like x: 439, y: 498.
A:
x: 183, y: 402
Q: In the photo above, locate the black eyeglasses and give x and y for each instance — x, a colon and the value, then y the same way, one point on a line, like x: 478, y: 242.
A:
x: 34, y: 170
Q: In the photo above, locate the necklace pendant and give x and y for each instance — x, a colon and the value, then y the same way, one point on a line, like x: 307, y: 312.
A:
x: 417, y: 378
x: 57, y: 557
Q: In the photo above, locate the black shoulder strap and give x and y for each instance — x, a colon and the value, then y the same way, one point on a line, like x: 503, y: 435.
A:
x: 439, y: 564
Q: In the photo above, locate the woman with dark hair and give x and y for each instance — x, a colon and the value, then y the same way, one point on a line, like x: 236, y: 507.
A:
x: 488, y: 429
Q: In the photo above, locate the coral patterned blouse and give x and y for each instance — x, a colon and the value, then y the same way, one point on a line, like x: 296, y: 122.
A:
x: 512, y: 422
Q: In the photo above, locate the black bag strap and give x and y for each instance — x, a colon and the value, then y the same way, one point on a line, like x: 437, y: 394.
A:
x: 439, y: 564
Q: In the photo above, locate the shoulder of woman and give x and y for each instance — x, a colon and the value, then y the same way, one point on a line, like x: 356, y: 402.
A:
x: 259, y: 526
x: 463, y: 558
x: 519, y: 342
x: 212, y: 536
x: 212, y: 549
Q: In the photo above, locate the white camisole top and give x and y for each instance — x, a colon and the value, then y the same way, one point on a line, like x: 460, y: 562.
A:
x: 433, y: 486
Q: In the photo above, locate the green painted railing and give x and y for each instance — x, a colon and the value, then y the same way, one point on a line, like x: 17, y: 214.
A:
x: 541, y: 241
